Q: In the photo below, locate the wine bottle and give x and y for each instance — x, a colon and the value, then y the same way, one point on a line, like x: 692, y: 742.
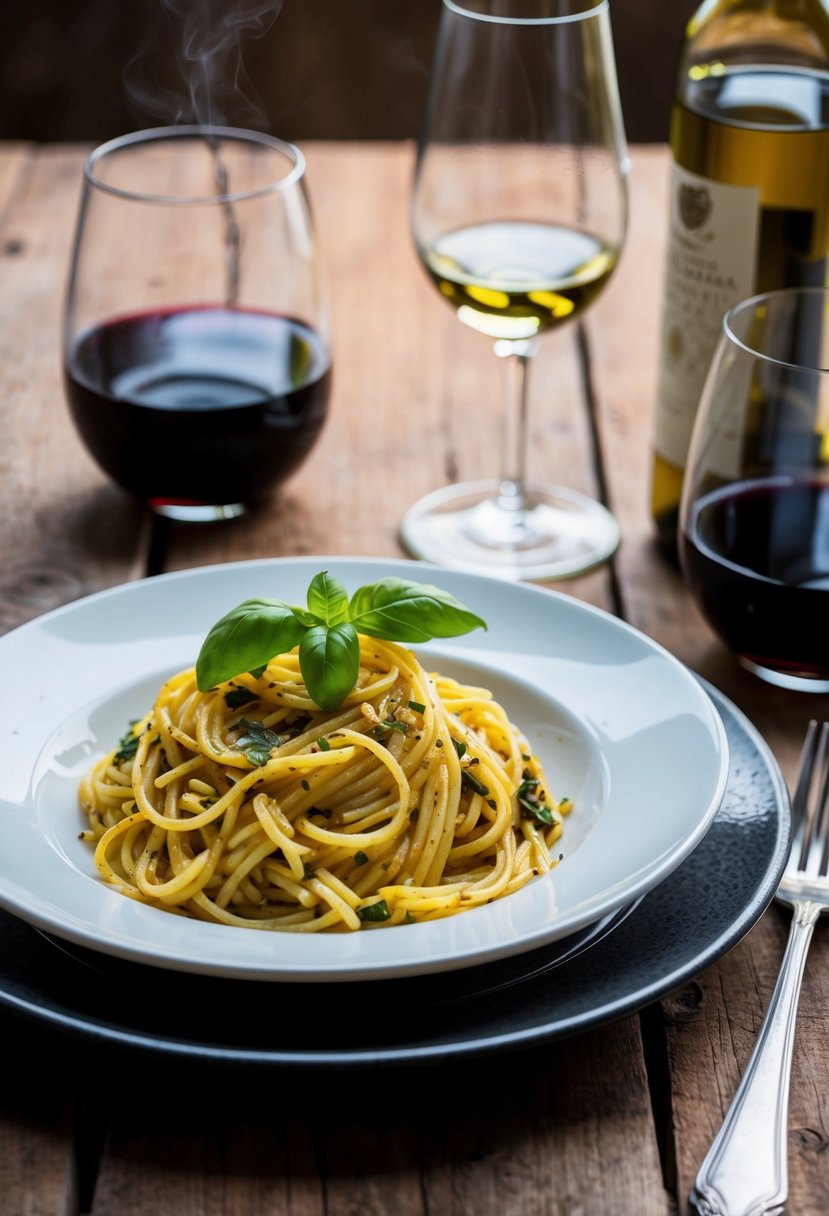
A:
x: 749, y: 195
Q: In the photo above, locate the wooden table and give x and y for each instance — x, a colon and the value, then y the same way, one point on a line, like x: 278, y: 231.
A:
x: 614, y: 1121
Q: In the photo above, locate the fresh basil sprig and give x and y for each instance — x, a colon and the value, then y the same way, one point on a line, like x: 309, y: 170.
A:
x: 326, y: 632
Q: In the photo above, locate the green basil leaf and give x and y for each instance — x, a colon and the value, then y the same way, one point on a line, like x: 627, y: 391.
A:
x: 401, y: 611
x: 470, y: 782
x: 128, y: 745
x: 235, y: 698
x: 329, y: 660
x: 377, y: 911
x: 306, y: 618
x: 257, y: 741
x: 327, y: 599
x: 245, y: 638
x: 531, y: 804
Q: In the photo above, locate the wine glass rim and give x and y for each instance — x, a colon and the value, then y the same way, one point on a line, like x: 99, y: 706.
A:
x: 493, y: 19
x: 754, y: 302
x: 202, y: 131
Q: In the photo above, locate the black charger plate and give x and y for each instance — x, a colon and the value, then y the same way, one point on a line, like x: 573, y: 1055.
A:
x: 605, y: 972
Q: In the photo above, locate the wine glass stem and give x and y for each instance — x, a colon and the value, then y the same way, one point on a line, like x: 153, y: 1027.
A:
x: 515, y: 357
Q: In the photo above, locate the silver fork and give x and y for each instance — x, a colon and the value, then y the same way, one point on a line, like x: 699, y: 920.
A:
x: 745, y: 1172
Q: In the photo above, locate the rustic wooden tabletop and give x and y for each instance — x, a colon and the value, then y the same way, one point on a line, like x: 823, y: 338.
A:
x: 614, y: 1120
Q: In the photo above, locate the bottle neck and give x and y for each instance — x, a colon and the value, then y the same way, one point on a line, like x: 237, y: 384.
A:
x: 791, y: 32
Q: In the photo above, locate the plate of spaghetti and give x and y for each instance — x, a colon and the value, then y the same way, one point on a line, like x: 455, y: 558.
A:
x: 325, y: 770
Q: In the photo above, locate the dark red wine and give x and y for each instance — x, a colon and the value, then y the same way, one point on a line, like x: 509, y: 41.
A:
x: 756, y: 558
x: 199, y: 405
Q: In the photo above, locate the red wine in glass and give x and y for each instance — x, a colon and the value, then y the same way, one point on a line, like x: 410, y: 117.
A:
x: 198, y: 405
x: 196, y: 357
x: 755, y: 555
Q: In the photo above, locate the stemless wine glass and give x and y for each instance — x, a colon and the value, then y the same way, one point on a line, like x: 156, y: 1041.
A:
x: 196, y: 352
x: 754, y: 516
x: 519, y: 211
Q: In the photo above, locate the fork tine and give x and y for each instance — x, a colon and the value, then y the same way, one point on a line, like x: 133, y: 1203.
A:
x: 800, y: 798
x: 804, y: 771
x: 815, y: 847
x: 824, y: 802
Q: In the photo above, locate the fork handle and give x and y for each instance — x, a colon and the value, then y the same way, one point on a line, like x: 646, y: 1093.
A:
x: 745, y: 1172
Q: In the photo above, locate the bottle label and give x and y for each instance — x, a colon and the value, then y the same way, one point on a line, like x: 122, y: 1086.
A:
x: 712, y: 254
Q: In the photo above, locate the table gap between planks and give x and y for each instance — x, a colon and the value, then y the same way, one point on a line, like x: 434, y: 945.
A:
x: 616, y: 1120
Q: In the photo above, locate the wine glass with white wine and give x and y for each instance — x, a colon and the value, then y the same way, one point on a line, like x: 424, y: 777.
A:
x: 519, y: 212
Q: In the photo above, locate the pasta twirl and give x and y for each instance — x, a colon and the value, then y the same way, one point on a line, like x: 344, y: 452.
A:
x: 248, y: 805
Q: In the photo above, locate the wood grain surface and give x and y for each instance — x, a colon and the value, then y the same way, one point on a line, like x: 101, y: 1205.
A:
x: 613, y: 1121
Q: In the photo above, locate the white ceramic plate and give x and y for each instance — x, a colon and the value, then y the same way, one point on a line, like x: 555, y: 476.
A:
x: 620, y: 726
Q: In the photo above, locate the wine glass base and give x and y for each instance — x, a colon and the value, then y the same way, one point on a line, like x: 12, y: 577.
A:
x: 197, y: 512
x: 560, y: 534
x: 785, y: 679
